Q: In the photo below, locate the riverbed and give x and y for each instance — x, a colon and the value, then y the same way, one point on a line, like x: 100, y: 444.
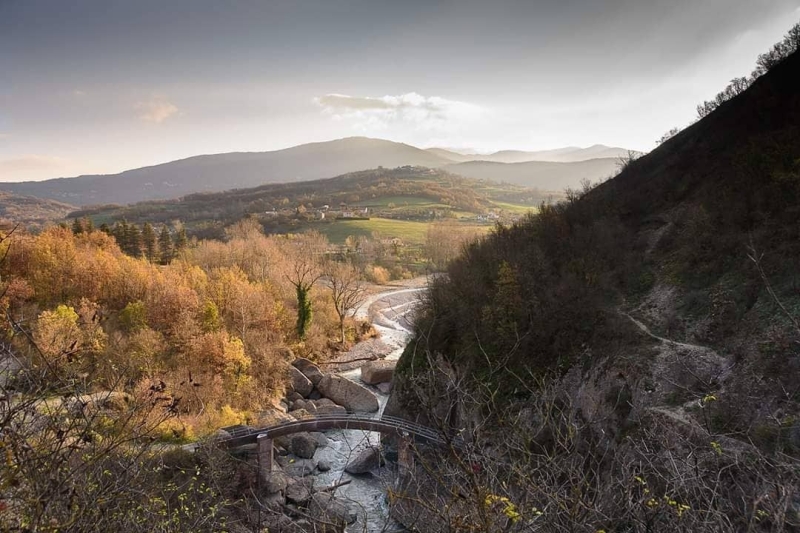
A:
x: 390, y: 313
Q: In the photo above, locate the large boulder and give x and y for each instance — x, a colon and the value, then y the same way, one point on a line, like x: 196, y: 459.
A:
x: 297, y: 467
x: 324, y: 406
x: 351, y: 395
x: 304, y: 445
x: 299, y: 490
x: 309, y: 370
x: 272, y: 417
x: 376, y: 372
x: 367, y: 460
x: 276, y: 482
x: 299, y: 382
x: 327, y: 509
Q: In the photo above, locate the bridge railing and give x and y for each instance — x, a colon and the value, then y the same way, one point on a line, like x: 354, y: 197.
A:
x: 395, y: 423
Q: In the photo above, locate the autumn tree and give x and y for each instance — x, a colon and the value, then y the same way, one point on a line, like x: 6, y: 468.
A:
x: 305, y: 256
x: 348, y: 289
x: 445, y: 240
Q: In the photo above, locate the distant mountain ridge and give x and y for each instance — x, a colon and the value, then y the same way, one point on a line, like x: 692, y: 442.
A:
x: 236, y: 170
x: 568, y: 154
x: 546, y: 175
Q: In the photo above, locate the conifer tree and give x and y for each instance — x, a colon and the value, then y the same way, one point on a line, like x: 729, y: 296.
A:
x: 133, y: 241
x: 181, y: 240
x: 149, y: 242
x: 165, y: 246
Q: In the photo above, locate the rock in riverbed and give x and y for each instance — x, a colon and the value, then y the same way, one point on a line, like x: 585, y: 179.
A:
x: 349, y: 394
x: 376, y: 372
x: 304, y: 445
x: 366, y: 461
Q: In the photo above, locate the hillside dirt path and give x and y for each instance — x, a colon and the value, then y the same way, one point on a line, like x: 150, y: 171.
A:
x: 675, y: 350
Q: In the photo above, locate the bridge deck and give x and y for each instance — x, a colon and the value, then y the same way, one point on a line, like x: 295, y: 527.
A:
x: 386, y: 425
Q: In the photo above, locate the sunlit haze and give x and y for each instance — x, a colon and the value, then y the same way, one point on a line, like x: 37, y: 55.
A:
x: 99, y: 86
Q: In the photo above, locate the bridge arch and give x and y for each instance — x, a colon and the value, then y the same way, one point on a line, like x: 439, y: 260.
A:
x: 263, y: 437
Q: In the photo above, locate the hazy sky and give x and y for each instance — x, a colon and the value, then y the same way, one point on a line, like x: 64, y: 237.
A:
x: 97, y: 86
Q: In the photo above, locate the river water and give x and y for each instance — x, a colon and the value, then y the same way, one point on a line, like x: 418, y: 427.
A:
x: 390, y: 313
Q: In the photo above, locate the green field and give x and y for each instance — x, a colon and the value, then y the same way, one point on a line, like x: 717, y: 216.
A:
x: 515, y: 208
x: 410, y: 201
x: 410, y: 232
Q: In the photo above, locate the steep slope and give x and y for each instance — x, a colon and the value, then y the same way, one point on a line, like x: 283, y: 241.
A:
x: 540, y: 174
x: 648, y: 332
x: 29, y: 210
x: 211, y: 173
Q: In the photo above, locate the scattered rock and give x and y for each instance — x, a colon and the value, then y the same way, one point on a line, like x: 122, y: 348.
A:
x: 309, y: 370
x: 349, y: 394
x: 304, y: 404
x: 276, y: 482
x: 369, y: 459
x: 293, y: 397
x: 299, y: 382
x: 304, y: 445
x: 272, y: 418
x: 299, y: 491
x: 300, y: 414
x: 220, y: 435
x: 385, y: 388
x: 326, y: 406
x: 376, y: 372
x: 323, y: 465
x: 322, y: 440
x: 315, y: 395
x: 326, y: 508
x: 280, y: 523
x: 296, y: 467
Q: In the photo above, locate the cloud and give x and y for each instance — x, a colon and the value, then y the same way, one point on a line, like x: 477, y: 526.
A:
x: 410, y: 110
x: 156, y: 110
x: 77, y: 93
x: 4, y: 136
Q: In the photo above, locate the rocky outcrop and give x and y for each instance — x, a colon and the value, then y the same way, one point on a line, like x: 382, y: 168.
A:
x: 299, y: 382
x: 369, y: 459
x: 376, y: 372
x: 349, y: 394
x: 309, y: 370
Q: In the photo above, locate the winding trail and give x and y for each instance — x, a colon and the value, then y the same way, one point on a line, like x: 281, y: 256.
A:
x: 671, y: 342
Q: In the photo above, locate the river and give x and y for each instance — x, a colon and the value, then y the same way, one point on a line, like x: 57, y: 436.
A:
x: 390, y: 313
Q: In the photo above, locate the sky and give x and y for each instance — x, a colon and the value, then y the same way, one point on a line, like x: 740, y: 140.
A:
x: 101, y: 86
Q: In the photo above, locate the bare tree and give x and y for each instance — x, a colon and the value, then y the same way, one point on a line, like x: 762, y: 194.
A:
x: 348, y: 290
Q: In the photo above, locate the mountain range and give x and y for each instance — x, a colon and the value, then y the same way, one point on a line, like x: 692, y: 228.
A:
x: 219, y: 172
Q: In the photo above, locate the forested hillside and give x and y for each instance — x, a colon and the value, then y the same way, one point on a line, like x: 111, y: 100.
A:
x: 636, y: 347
